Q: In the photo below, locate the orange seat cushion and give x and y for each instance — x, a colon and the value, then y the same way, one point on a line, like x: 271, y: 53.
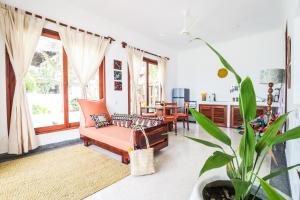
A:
x: 181, y: 115
x: 91, y: 107
x: 169, y: 118
x: 148, y: 114
x: 115, y: 136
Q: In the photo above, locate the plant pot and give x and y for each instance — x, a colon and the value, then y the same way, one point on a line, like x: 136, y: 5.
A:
x: 223, y: 189
x: 219, y: 175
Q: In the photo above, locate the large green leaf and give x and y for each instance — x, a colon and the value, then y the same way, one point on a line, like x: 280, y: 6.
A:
x: 247, y: 100
x: 231, y: 171
x: 278, y: 172
x: 270, y: 133
x: 247, y: 103
x: 223, y: 61
x: 218, y: 159
x: 247, y: 147
x: 240, y: 188
x: 204, y: 142
x: 270, y: 192
x: 288, y: 135
x: 210, y: 127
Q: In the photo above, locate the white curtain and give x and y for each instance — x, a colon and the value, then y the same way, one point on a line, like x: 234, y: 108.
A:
x: 3, y: 114
x: 85, y: 53
x: 135, y: 61
x: 162, y: 68
x: 21, y: 33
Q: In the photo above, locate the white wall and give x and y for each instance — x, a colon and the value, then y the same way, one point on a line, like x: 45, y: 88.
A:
x: 197, y: 68
x: 293, y: 146
x: 117, y: 101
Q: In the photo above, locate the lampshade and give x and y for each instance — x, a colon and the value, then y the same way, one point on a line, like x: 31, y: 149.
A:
x: 275, y: 76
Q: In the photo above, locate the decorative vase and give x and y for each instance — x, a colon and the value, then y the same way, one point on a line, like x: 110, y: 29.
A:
x: 203, y: 95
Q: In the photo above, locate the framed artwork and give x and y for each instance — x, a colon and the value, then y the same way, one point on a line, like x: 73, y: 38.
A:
x: 117, y: 64
x: 118, y: 86
x: 117, y: 75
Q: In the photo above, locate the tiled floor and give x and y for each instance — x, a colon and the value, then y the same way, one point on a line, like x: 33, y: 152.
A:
x: 177, y: 167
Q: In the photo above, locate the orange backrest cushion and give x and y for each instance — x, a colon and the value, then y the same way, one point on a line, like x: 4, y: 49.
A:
x: 90, y: 107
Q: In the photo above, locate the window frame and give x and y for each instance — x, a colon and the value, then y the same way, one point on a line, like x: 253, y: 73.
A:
x: 10, y: 87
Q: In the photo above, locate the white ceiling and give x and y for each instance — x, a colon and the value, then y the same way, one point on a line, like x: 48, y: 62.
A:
x: 162, y: 20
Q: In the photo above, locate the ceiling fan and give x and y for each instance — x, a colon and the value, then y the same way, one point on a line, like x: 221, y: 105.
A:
x: 188, y: 23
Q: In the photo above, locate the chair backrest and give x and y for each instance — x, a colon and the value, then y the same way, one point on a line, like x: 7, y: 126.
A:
x: 170, y: 104
x: 165, y: 110
x: 186, y: 107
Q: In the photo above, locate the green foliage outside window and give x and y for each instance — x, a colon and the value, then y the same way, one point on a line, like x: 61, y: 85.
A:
x: 38, y: 109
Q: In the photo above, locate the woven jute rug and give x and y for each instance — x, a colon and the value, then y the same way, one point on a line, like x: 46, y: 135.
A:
x: 73, y: 172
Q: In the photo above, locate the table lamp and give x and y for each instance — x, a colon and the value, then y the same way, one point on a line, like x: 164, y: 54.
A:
x: 271, y: 77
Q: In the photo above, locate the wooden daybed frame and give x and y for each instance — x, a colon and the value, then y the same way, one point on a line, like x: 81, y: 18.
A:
x: 157, y: 140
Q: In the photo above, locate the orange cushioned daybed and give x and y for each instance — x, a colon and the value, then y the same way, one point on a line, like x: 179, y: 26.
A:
x: 115, y: 138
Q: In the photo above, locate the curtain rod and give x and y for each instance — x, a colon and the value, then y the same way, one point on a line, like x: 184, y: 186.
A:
x: 62, y: 24
x: 124, y: 44
x: 72, y: 27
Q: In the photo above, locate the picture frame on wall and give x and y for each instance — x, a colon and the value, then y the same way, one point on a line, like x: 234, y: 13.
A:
x: 117, y: 75
x: 117, y: 65
x: 118, y: 85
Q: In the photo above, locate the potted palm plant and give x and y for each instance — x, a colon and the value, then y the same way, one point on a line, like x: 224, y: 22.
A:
x: 243, y: 167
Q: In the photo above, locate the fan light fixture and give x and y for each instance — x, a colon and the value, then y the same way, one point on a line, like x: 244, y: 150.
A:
x: 188, y: 23
x: 185, y: 30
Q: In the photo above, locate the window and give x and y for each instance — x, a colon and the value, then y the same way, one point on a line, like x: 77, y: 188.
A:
x: 149, y: 89
x: 74, y: 93
x: 154, y: 85
x: 44, y: 83
x: 142, y: 84
x: 52, y: 87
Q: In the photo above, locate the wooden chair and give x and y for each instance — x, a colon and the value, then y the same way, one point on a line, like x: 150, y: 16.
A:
x: 170, y: 114
x: 146, y: 114
x: 184, y: 116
